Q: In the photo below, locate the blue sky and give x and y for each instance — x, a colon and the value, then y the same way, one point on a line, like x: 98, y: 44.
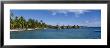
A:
x: 91, y: 18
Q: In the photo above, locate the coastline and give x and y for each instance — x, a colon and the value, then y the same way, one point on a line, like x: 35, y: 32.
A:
x: 24, y: 29
x: 20, y: 29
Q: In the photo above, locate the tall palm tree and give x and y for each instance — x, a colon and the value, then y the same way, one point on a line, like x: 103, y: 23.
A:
x: 11, y: 20
x: 41, y: 21
x: 36, y: 24
x: 31, y: 23
x: 22, y: 22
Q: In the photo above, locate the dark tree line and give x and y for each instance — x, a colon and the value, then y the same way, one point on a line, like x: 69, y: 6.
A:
x: 22, y: 23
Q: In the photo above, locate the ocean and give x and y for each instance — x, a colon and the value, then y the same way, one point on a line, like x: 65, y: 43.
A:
x: 81, y: 33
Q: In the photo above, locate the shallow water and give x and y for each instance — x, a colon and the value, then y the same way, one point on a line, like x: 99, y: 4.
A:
x: 82, y: 33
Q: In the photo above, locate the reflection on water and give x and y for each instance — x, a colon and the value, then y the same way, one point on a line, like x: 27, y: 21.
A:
x: 82, y: 33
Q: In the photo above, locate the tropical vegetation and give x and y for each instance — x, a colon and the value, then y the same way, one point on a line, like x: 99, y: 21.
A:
x: 21, y: 23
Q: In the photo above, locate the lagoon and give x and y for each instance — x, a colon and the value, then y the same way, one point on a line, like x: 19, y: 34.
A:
x: 81, y: 33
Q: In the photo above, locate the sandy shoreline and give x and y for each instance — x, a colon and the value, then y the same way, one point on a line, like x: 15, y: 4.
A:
x: 20, y: 29
x: 23, y: 29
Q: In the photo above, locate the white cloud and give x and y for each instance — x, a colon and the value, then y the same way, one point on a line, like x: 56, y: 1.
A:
x: 63, y: 11
x: 87, y: 22
x: 92, y: 23
x: 77, y: 12
x: 54, y: 13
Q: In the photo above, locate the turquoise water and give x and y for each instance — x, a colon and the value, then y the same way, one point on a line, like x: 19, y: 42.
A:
x: 82, y: 33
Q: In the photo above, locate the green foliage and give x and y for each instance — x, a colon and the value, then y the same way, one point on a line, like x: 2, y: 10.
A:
x: 21, y: 23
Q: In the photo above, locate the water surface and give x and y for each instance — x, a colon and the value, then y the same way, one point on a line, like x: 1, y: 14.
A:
x: 82, y: 33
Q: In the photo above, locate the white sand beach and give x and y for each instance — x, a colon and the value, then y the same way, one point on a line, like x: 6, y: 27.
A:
x: 20, y: 29
x: 24, y: 29
x: 15, y: 30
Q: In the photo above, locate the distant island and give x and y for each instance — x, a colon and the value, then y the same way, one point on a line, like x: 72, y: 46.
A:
x: 21, y: 24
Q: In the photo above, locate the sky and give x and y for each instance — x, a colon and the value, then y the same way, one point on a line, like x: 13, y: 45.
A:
x: 81, y: 17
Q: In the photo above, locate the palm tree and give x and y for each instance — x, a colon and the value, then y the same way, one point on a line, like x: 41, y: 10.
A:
x: 44, y: 25
x: 68, y: 26
x: 11, y: 20
x: 62, y: 27
x: 16, y: 22
x: 73, y: 26
x: 31, y: 23
x: 41, y: 21
x: 57, y: 26
x: 36, y: 24
x: 22, y: 22
x: 11, y: 15
x: 77, y: 26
